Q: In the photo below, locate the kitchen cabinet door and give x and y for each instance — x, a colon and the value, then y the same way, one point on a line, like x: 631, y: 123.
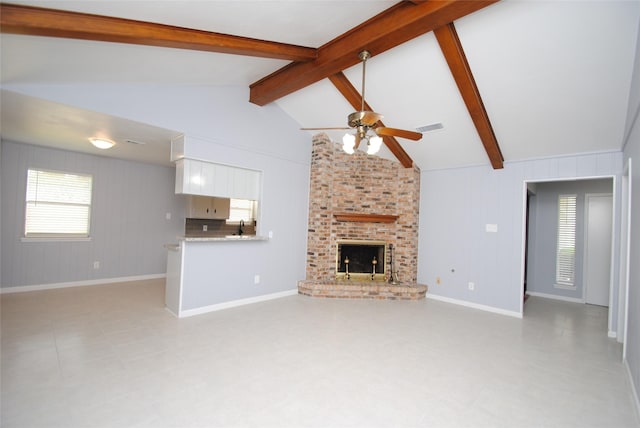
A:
x: 194, y: 177
x: 189, y: 176
x: 223, y: 178
x: 245, y: 184
x: 180, y: 175
x: 221, y: 208
x: 252, y: 183
x: 207, y: 179
x: 199, y: 207
x: 208, y: 208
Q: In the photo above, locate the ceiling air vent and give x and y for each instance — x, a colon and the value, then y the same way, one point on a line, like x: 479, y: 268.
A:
x: 138, y: 143
x: 432, y: 127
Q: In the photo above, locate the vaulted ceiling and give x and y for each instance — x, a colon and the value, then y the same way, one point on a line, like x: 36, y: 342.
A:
x: 508, y: 80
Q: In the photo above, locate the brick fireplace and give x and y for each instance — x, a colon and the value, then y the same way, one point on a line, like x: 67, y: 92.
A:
x: 362, y: 198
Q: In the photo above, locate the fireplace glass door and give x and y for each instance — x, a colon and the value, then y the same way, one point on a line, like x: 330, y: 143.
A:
x: 361, y: 260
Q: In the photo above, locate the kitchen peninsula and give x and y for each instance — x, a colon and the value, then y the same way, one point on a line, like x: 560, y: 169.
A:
x: 192, y: 274
x: 206, y: 267
x: 229, y: 238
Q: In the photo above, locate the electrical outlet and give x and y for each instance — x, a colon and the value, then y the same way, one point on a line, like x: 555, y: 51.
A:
x: 472, y: 286
x: 256, y: 279
x: 204, y: 227
x: 96, y: 265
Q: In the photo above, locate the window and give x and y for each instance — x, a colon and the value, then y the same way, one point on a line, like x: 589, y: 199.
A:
x: 58, y: 205
x: 566, y: 244
x: 242, y: 209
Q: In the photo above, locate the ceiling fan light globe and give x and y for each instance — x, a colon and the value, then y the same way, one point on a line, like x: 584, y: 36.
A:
x: 348, y: 143
x: 374, y: 145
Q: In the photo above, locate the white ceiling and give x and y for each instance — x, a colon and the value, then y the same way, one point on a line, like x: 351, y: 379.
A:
x: 45, y: 123
x: 554, y: 75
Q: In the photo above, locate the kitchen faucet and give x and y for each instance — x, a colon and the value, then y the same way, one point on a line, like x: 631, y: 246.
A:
x: 241, y: 227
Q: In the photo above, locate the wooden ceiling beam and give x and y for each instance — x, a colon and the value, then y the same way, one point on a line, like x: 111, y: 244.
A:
x: 396, y: 25
x: 352, y: 95
x: 454, y: 54
x: 26, y: 20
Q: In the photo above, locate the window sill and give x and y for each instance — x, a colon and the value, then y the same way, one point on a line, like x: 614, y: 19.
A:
x: 565, y: 287
x: 55, y: 239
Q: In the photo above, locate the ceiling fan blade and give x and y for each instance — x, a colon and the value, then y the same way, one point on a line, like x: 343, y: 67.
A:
x: 402, y: 133
x: 323, y: 129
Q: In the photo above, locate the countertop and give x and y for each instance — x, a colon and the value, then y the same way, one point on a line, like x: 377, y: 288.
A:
x: 228, y: 238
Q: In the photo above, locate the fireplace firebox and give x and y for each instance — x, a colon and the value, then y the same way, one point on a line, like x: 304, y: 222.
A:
x: 359, y: 260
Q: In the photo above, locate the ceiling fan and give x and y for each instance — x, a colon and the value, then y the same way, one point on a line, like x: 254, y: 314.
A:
x: 365, y: 120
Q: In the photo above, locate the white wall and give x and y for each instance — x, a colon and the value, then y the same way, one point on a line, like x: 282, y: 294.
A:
x: 222, y: 126
x: 128, y: 219
x: 632, y: 151
x: 457, y: 204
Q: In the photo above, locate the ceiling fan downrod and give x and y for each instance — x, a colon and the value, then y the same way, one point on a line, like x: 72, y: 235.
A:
x: 364, y: 56
x: 363, y: 119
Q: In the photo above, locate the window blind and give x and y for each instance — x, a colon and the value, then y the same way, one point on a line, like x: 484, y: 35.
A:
x: 566, y: 244
x: 58, y: 204
x: 241, y: 209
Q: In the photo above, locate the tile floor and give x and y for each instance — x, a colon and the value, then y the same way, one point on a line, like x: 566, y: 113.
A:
x: 111, y: 356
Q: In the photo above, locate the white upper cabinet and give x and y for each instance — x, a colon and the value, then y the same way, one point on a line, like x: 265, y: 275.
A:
x: 221, y: 182
x: 245, y: 183
x: 194, y: 177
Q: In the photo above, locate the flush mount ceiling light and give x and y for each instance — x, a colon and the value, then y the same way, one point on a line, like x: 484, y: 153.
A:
x: 102, y: 143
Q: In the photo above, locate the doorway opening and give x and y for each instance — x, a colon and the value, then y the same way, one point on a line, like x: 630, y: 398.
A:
x: 589, y: 276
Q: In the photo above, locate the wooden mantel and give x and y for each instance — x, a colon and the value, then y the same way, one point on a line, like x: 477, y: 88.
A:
x: 366, y: 218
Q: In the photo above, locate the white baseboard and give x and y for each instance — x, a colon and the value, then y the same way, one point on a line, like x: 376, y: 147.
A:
x: 474, y: 305
x: 636, y: 400
x: 171, y: 312
x: 25, y: 288
x: 555, y: 297
x: 235, y: 303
